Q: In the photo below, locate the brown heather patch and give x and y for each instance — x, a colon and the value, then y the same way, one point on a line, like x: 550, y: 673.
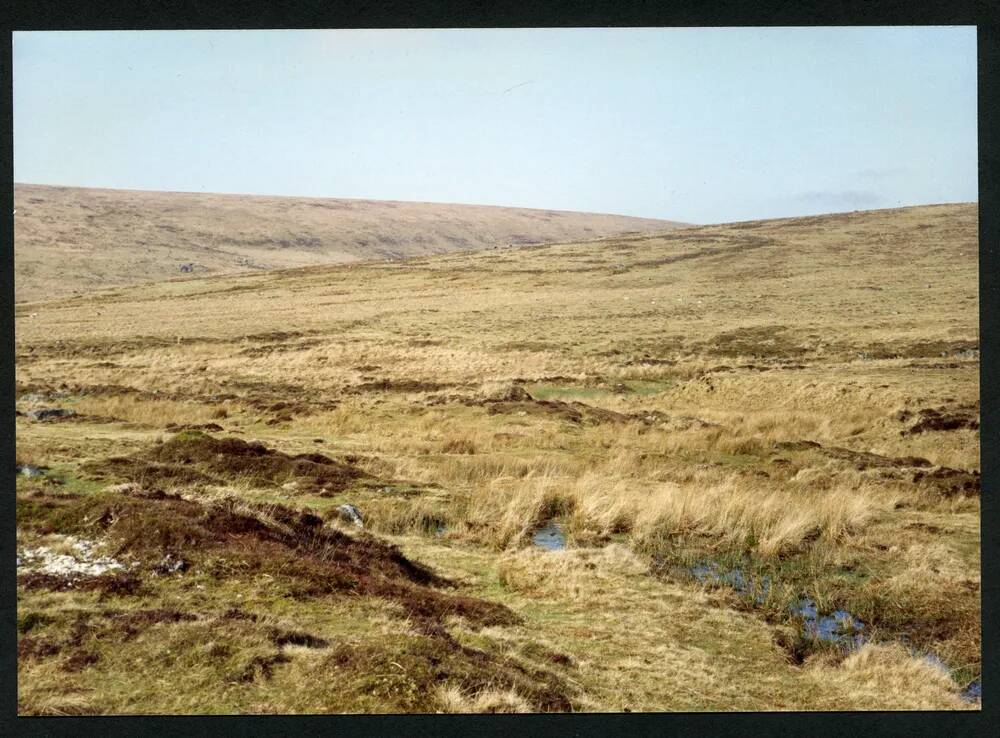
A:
x: 132, y: 623
x: 400, y: 676
x: 243, y: 539
x: 30, y: 647
x: 193, y: 457
x: 105, y: 584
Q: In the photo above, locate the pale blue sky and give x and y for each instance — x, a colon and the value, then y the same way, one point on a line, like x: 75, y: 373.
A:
x: 702, y: 125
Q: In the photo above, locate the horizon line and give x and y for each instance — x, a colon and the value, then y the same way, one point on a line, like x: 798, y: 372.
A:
x: 485, y: 205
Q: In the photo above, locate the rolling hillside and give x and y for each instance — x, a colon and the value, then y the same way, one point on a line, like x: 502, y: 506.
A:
x: 732, y: 467
x: 70, y: 240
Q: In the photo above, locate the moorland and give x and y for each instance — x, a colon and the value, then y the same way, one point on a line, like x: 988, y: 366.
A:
x: 726, y: 467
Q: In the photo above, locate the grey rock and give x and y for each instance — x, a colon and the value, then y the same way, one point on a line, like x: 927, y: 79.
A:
x: 29, y: 471
x: 50, y: 413
x: 171, y: 564
x: 351, y: 514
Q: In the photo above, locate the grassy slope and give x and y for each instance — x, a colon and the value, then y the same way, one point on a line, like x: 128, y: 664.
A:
x: 72, y: 239
x: 818, y: 329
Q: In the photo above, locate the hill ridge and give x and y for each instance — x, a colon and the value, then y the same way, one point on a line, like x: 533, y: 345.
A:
x: 72, y: 239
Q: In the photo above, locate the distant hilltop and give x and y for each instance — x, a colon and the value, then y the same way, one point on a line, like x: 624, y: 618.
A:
x: 71, y: 239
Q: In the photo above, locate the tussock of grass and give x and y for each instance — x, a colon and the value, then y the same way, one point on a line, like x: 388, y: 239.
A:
x: 573, y: 573
x: 890, y: 676
x: 453, y: 700
x: 768, y: 521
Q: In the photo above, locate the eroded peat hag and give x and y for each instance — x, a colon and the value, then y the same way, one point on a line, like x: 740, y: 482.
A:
x: 230, y: 545
x: 193, y: 457
x: 745, y: 438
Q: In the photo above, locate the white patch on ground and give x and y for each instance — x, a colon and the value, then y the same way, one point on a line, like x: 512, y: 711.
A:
x: 82, y: 559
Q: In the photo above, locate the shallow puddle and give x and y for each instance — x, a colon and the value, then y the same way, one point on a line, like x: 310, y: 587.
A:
x: 974, y: 692
x: 550, y: 537
x: 839, y: 626
x: 710, y: 573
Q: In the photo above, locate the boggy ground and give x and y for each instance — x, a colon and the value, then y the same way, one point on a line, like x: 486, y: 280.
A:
x: 793, y: 404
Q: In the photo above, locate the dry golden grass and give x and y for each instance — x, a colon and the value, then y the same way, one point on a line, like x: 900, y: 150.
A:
x: 453, y: 700
x: 891, y: 677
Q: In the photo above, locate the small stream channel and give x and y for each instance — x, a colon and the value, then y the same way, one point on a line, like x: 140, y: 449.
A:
x: 839, y: 627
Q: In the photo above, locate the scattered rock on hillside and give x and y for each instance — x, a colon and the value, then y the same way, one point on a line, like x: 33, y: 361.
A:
x: 29, y: 471
x: 351, y: 514
x: 171, y: 564
x: 83, y: 561
x: 50, y: 413
x: 35, y: 398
